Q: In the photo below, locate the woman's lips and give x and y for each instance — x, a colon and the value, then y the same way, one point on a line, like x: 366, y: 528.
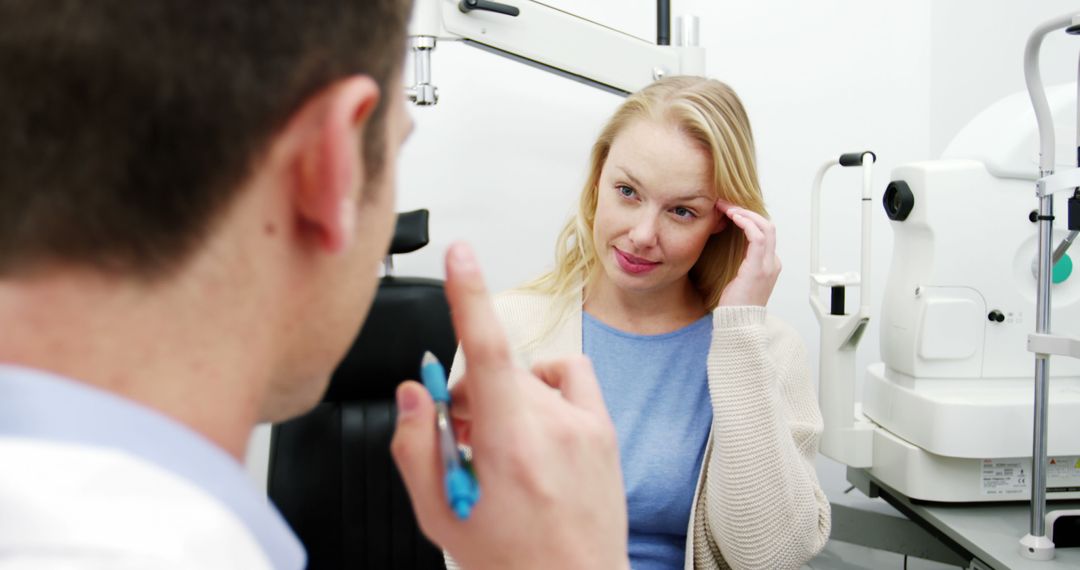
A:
x: 632, y: 264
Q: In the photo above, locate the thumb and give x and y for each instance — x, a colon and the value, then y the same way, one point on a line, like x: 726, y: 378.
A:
x: 415, y: 451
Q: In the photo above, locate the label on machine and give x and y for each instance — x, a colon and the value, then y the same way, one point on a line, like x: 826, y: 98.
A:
x: 1005, y: 477
x: 1012, y: 476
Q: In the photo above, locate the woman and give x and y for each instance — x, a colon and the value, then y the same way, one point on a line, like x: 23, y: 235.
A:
x: 662, y: 279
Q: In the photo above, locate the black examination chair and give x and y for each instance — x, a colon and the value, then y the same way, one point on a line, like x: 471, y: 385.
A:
x: 330, y: 471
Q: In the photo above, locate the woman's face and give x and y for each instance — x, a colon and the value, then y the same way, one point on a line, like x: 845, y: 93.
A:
x: 655, y: 208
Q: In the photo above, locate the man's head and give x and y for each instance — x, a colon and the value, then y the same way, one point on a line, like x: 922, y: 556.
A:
x: 153, y: 142
x: 127, y: 127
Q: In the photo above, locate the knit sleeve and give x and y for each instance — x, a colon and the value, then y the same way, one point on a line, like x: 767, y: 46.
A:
x: 760, y: 504
x: 457, y: 368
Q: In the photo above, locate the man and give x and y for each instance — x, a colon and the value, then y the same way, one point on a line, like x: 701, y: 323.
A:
x: 194, y: 198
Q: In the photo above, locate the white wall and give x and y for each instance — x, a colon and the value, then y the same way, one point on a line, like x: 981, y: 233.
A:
x: 500, y: 160
x: 978, y: 49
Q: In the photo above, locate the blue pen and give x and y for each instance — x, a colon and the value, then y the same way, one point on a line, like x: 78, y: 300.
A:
x: 462, y: 490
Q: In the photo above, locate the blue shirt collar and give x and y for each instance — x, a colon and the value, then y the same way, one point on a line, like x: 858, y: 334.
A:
x: 37, y: 404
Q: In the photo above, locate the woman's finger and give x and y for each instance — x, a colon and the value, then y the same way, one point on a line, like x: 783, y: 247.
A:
x: 748, y: 225
x: 754, y: 259
x: 768, y: 229
x: 768, y: 234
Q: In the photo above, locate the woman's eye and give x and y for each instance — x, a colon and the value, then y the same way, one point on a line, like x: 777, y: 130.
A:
x: 626, y: 191
x: 683, y: 212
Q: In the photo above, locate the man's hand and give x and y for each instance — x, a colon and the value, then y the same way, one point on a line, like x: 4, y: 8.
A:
x: 544, y: 451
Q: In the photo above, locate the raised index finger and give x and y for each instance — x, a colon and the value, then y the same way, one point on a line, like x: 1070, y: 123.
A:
x: 490, y: 375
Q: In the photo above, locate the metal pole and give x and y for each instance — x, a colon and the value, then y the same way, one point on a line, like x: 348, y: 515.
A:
x: 1042, y: 367
x: 663, y: 22
x: 1036, y: 545
x: 864, y: 266
x: 422, y: 92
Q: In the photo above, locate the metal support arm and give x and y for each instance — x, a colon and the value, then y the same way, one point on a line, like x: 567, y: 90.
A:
x: 553, y: 40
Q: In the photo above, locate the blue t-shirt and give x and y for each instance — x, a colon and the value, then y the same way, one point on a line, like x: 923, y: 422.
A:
x: 656, y: 390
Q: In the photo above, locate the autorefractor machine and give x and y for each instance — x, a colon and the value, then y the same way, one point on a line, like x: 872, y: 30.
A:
x: 948, y: 414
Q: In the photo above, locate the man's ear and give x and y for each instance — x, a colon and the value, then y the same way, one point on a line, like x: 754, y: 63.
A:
x: 328, y: 168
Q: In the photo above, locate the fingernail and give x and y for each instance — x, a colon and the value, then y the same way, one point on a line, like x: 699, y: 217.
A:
x: 407, y: 401
x: 461, y: 255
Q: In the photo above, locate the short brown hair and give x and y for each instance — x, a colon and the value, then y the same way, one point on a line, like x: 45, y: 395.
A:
x: 127, y: 126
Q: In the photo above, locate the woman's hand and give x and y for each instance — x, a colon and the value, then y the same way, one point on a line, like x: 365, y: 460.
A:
x: 754, y: 282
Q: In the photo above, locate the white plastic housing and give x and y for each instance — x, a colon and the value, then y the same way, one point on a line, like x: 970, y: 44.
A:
x: 965, y: 250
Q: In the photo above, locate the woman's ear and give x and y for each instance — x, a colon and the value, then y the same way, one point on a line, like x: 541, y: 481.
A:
x: 721, y: 222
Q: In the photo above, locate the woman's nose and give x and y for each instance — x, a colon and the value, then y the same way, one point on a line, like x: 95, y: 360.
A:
x: 643, y: 234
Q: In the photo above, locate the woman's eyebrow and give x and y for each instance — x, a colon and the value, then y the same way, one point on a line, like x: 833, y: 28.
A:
x: 691, y: 197
x: 637, y: 184
x: 633, y: 179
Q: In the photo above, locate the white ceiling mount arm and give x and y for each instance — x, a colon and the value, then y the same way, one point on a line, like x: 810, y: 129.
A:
x: 553, y: 40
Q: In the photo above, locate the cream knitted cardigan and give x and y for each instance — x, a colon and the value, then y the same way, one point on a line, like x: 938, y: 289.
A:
x: 758, y: 503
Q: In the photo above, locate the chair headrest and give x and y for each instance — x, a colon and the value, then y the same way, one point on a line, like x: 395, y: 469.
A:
x: 410, y: 232
x: 410, y: 315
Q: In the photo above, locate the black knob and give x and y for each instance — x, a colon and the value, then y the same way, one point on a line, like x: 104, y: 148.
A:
x: 467, y: 6
x: 996, y: 316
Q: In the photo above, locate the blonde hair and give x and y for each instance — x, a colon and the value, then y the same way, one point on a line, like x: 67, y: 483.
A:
x: 710, y: 114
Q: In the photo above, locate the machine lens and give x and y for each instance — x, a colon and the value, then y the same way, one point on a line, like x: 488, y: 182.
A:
x: 898, y: 200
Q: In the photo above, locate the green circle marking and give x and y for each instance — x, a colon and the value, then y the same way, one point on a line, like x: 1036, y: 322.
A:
x: 1062, y: 269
